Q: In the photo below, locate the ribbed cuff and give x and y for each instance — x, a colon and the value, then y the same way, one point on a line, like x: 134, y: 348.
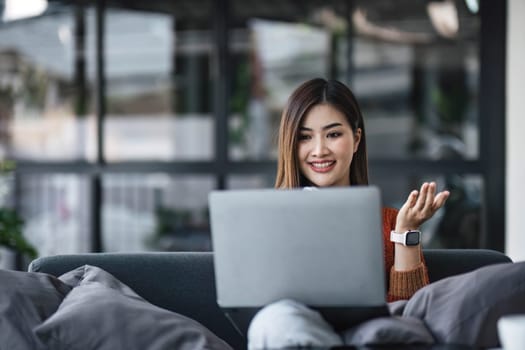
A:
x: 403, y: 284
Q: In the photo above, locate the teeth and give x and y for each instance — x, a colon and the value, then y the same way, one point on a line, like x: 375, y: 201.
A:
x: 322, y: 165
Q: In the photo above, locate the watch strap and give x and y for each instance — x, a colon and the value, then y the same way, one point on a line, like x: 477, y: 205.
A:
x: 401, y: 238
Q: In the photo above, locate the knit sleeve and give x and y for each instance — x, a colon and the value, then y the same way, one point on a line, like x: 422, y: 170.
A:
x: 401, y: 284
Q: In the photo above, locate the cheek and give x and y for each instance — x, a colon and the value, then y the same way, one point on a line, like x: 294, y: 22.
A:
x: 302, y: 151
x: 345, y: 148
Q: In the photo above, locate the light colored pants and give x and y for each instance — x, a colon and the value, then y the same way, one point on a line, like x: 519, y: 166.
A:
x: 287, y: 323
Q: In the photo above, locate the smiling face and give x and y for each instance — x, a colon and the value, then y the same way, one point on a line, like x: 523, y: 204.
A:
x: 326, y: 146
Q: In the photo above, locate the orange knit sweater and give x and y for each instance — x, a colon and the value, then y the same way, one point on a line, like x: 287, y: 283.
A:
x: 401, y: 284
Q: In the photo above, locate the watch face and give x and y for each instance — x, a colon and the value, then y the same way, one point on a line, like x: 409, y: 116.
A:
x: 412, y: 238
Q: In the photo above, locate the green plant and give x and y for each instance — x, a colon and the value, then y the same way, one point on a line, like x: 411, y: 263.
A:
x: 11, y: 233
x: 171, y: 220
x: 10, y: 222
x: 239, y: 103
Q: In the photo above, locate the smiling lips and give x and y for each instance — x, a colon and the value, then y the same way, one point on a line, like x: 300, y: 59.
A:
x: 322, y: 167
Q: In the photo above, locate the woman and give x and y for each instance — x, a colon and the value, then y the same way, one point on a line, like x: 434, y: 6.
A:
x: 322, y: 143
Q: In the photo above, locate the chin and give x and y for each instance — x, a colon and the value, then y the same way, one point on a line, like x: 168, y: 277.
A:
x: 322, y: 183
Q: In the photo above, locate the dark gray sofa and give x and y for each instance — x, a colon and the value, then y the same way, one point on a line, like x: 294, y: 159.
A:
x: 184, y: 282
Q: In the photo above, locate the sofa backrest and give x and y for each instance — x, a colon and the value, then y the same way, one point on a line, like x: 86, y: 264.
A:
x: 185, y: 282
x: 443, y: 263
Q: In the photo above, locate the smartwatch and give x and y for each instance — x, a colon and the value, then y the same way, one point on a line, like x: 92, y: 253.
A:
x: 408, y: 238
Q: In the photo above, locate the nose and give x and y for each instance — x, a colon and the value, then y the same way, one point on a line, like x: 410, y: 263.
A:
x: 320, y: 148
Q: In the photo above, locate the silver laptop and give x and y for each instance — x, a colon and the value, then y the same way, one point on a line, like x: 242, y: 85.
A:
x: 323, y: 248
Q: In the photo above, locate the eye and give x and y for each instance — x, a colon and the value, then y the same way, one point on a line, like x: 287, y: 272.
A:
x: 304, y: 137
x: 334, y: 134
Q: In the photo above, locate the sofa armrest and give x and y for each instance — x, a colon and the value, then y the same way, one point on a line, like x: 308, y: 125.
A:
x: 443, y: 263
x: 178, y: 281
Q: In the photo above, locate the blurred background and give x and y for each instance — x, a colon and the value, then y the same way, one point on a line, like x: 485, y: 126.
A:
x: 121, y: 116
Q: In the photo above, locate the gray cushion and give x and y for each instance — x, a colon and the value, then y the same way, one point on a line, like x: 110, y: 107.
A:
x: 26, y: 299
x: 464, y: 309
x: 182, y: 282
x: 103, y: 313
x: 388, y: 331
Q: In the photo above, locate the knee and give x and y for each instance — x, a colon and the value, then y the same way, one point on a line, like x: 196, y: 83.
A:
x: 288, y: 323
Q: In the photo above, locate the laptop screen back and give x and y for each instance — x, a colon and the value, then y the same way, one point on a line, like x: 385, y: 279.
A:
x: 323, y: 248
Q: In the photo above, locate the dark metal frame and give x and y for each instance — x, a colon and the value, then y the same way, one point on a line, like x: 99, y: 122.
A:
x: 96, y: 178
x: 490, y: 165
x: 492, y: 118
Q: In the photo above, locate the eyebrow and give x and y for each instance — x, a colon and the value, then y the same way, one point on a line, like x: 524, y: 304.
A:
x: 326, y: 127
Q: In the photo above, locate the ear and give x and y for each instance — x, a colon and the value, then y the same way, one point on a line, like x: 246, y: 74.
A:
x: 357, y: 139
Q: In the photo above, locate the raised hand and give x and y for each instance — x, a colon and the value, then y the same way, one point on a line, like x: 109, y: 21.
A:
x: 420, y: 206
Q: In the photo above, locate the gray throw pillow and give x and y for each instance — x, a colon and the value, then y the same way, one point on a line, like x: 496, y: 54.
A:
x: 388, y: 331
x: 26, y: 300
x: 103, y: 313
x: 464, y: 309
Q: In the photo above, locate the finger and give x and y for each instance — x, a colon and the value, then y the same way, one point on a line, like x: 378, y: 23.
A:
x: 430, y: 196
x: 422, y: 196
x: 440, y: 200
x: 411, y: 200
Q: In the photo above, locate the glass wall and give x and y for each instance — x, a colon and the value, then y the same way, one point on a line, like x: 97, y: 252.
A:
x: 193, y: 94
x: 419, y: 102
x: 56, y: 211
x: 417, y: 79
x: 159, y: 86
x: 46, y: 65
x: 156, y: 211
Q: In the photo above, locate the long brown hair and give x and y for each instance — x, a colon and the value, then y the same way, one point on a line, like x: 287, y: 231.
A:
x: 311, y: 93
